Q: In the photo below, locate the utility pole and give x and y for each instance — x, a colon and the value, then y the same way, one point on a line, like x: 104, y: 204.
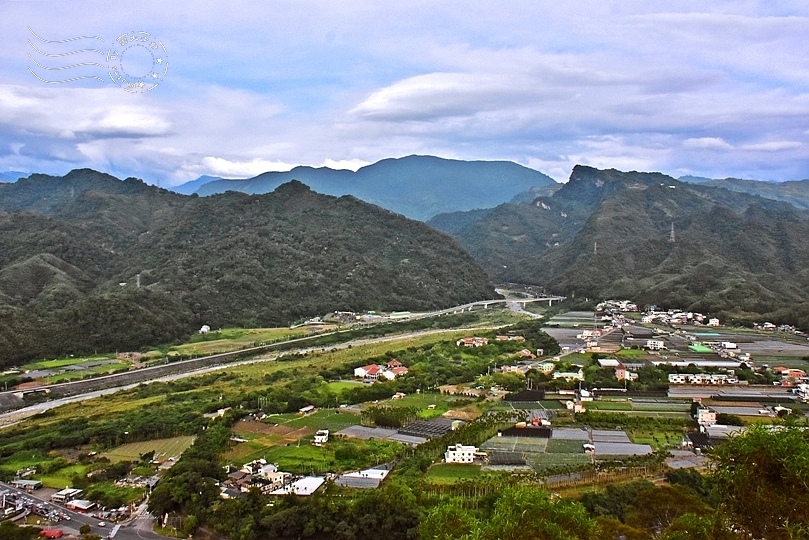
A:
x: 671, y: 236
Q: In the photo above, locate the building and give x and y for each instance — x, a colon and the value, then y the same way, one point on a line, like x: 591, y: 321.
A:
x: 368, y: 372
x: 459, y: 453
x: 713, y: 322
x: 80, y: 505
x: 27, y: 485
x: 623, y: 374
x: 321, y: 437
x: 702, y: 378
x: 655, y: 344
x: 65, y: 495
x: 569, y: 375
x: 472, y: 342
x: 705, y: 416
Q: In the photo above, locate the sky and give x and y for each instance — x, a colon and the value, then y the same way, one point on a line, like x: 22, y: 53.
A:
x: 168, y: 93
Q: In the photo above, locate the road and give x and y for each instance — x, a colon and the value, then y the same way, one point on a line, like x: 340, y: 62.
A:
x: 139, y: 527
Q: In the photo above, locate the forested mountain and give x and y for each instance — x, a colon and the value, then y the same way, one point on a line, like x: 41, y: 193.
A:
x: 417, y: 186
x: 794, y: 192
x: 73, y: 250
x: 608, y: 233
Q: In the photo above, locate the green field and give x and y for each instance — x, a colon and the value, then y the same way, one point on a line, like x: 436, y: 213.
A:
x: 449, y: 473
x: 339, y: 386
x: 564, y: 446
x: 62, y: 477
x: 330, y: 419
x: 163, y: 448
x: 656, y: 439
x: 544, y: 462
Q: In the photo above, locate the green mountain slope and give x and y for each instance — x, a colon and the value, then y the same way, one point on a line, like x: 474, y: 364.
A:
x: 608, y: 233
x: 69, y: 264
x: 794, y: 192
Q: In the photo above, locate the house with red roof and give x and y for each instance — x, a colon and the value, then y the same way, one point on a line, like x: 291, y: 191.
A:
x: 370, y: 371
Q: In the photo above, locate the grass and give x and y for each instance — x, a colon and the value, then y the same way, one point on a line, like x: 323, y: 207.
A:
x: 62, y: 477
x: 324, y: 419
x: 339, y: 386
x: 656, y: 439
x: 163, y: 448
x: 96, y: 370
x: 631, y: 353
x: 564, y: 446
x: 544, y: 462
x: 450, y: 473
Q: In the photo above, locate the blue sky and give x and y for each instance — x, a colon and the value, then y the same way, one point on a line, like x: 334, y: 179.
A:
x: 706, y: 88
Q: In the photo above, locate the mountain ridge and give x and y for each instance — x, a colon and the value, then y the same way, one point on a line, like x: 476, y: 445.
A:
x: 89, y: 262
x: 608, y: 233
x: 418, y: 187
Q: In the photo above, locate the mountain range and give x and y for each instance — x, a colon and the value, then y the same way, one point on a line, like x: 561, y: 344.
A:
x: 418, y: 187
x: 90, y: 262
x: 652, y: 238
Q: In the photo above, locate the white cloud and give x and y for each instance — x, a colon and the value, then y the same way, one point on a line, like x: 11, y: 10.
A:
x: 773, y: 146
x: 707, y: 143
x: 242, y: 169
x: 345, y: 164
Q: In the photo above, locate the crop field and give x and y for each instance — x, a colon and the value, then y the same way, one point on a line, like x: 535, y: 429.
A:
x: 330, y: 419
x: 544, y: 462
x: 449, y: 473
x: 656, y: 439
x: 163, y: 449
x: 516, y: 444
x: 565, y: 446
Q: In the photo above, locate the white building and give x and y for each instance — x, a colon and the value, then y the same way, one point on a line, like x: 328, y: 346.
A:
x: 655, y: 344
x: 321, y: 437
x: 569, y: 375
x: 460, y: 453
x: 713, y: 322
x: 706, y: 416
x: 702, y: 378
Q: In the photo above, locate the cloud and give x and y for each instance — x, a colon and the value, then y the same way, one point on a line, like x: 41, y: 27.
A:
x: 773, y: 146
x: 345, y: 164
x: 242, y: 169
x: 707, y: 143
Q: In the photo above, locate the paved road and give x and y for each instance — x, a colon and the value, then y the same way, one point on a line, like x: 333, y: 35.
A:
x: 140, y: 527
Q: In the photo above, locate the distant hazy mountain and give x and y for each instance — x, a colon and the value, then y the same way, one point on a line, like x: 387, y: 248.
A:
x: 794, y: 192
x: 11, y: 176
x: 607, y: 233
x: 417, y: 186
x: 73, y: 250
x: 191, y: 187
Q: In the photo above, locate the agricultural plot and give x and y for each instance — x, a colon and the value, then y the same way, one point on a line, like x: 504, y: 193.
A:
x: 544, y: 462
x: 450, y: 473
x: 330, y: 419
x: 163, y: 449
x: 565, y: 446
x: 516, y: 444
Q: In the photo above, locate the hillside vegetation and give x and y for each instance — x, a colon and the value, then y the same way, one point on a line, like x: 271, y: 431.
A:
x: 73, y: 250
x: 608, y: 233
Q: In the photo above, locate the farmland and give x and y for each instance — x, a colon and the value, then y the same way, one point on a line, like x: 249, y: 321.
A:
x: 162, y: 448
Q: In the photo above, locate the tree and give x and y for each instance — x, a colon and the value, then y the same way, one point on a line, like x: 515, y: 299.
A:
x: 528, y: 513
x: 84, y: 529
x: 654, y: 509
x: 762, y: 477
